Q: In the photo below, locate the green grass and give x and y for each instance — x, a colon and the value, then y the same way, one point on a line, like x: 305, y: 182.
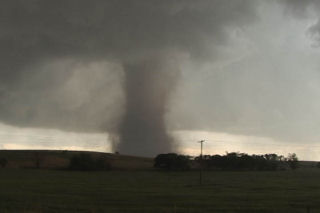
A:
x: 23, y: 190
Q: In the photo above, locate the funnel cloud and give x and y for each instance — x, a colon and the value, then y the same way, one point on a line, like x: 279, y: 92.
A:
x: 148, y: 84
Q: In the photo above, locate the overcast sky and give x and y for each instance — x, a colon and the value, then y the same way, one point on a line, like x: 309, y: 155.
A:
x: 246, y: 73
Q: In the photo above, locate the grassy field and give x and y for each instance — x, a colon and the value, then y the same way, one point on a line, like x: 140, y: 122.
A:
x: 31, y: 190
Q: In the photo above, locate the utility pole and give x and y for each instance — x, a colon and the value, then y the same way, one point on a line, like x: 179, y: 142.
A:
x: 200, y: 177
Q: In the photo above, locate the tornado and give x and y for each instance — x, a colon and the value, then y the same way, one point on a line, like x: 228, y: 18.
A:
x: 148, y: 85
x: 113, y: 66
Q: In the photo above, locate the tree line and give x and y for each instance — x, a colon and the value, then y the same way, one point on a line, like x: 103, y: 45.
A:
x: 229, y: 161
x: 173, y: 161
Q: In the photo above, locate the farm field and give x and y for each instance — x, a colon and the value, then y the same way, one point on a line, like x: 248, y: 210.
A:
x: 33, y: 190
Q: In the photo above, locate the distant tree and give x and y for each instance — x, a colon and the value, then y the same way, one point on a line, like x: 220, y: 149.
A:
x: 85, y: 162
x: 318, y: 165
x: 172, y: 161
x: 3, y: 162
x: 292, y: 161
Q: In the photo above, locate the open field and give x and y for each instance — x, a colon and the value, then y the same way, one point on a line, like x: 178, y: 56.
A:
x: 32, y: 190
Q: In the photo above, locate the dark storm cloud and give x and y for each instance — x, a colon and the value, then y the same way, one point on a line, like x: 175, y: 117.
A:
x: 62, y: 61
x: 114, y: 28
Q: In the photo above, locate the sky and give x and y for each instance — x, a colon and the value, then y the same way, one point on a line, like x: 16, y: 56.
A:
x: 147, y: 77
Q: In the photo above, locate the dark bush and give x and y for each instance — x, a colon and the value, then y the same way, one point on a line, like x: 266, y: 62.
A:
x: 3, y: 162
x: 172, y: 161
x: 318, y: 165
x: 85, y: 162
